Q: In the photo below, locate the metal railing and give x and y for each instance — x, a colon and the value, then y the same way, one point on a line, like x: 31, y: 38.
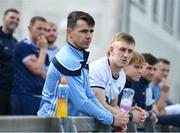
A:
x: 54, y: 124
x: 51, y: 124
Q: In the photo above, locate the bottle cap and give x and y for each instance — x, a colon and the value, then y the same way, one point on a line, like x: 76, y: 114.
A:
x: 63, y: 80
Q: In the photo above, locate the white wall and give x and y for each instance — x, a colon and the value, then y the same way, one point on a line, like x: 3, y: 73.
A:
x: 152, y: 38
x: 106, y: 13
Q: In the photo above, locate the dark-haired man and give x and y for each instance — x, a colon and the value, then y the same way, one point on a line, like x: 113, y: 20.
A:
x: 71, y: 62
x: 7, y: 45
x: 31, y: 62
x: 169, y: 115
x: 161, y: 88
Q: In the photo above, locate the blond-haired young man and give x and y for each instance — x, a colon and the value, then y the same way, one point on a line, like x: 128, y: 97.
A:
x: 107, y: 77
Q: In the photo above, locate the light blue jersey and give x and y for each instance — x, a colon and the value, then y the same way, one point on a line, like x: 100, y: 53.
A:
x: 71, y: 62
x: 52, y: 52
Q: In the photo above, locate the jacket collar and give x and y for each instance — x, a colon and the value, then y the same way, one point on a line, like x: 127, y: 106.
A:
x: 82, y: 53
x: 4, y: 34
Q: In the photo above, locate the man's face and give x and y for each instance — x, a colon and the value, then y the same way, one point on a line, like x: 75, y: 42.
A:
x: 148, y: 71
x: 120, y: 53
x: 11, y: 21
x: 81, y: 35
x: 51, y: 33
x: 37, y: 29
x: 134, y: 71
x: 162, y: 71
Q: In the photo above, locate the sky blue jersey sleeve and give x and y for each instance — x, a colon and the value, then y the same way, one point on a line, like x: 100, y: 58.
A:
x: 77, y: 95
x: 85, y: 104
x: 71, y: 63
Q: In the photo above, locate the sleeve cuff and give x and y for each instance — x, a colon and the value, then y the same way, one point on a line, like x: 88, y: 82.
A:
x: 130, y: 116
x: 113, y: 121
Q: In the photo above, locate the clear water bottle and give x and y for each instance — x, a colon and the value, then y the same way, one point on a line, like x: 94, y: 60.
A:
x: 127, y: 99
x: 62, y: 107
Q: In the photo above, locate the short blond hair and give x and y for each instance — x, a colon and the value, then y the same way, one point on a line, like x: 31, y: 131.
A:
x: 137, y: 59
x: 120, y: 36
x: 51, y: 24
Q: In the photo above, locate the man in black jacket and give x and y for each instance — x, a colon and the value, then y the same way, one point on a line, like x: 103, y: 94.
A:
x: 143, y: 90
x: 7, y: 45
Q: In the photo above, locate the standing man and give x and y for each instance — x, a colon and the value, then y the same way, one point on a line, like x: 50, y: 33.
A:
x: 71, y: 62
x: 7, y: 45
x: 107, y: 77
x: 51, y: 34
x: 30, y: 63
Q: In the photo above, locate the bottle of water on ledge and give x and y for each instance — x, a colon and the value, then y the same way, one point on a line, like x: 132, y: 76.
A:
x: 127, y: 99
x: 62, y: 107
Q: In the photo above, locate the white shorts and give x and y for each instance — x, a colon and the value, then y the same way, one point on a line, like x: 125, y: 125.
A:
x: 173, y: 109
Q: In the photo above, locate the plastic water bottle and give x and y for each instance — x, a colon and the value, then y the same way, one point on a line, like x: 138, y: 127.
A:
x: 127, y: 99
x: 62, y: 108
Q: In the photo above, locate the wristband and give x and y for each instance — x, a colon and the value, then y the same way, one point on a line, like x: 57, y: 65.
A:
x: 130, y: 116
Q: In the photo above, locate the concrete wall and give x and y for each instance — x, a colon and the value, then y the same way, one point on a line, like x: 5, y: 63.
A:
x: 152, y: 38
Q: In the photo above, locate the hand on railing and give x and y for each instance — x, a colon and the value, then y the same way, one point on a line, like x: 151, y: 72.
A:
x: 138, y: 115
x: 152, y: 115
x: 121, y: 120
